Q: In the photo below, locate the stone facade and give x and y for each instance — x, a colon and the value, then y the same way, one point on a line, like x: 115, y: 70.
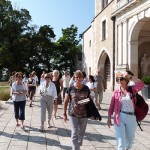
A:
x: 133, y: 36
x: 98, y: 50
x: 126, y: 43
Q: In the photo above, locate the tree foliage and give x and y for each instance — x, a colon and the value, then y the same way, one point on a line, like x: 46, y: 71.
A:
x: 25, y: 47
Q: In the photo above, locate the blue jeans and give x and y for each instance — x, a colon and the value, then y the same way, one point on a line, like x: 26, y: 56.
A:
x: 125, y: 132
x: 19, y: 109
x: 78, y: 126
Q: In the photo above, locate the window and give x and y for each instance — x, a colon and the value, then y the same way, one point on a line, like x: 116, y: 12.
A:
x: 104, y: 30
x: 104, y: 3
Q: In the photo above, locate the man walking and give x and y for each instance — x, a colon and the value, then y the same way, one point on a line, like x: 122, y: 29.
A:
x: 66, y: 79
x: 100, y: 88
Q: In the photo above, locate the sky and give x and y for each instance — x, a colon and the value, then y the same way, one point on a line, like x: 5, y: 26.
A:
x: 59, y: 13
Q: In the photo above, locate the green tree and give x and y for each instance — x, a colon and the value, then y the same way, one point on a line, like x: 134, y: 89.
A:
x: 68, y: 48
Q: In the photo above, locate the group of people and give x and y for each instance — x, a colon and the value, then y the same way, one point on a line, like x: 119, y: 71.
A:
x: 75, y: 90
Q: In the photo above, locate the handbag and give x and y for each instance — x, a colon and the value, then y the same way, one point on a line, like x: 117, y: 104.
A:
x: 141, y: 107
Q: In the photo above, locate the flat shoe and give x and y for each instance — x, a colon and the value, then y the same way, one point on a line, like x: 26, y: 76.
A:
x: 22, y: 127
x: 41, y: 129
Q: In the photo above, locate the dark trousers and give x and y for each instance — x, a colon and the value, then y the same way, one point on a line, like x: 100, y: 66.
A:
x: 19, y: 109
x: 64, y: 91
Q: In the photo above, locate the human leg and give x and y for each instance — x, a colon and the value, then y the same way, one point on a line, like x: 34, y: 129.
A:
x: 49, y: 107
x: 81, y: 128
x: 64, y: 91
x: 22, y: 113
x: 120, y: 133
x: 74, y: 132
x: 131, y: 127
x: 16, y: 111
x: 43, y: 112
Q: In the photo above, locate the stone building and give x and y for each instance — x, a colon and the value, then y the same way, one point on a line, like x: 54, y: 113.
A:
x: 118, y: 39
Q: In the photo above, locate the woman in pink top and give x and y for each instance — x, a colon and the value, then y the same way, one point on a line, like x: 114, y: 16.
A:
x: 123, y: 107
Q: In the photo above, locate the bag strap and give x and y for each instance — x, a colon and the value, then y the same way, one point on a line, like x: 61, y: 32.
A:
x: 134, y: 95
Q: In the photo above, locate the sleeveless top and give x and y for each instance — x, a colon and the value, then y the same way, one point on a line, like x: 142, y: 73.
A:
x: 57, y: 84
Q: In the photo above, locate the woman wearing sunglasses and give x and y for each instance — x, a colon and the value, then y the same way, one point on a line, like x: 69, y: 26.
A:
x: 48, y: 94
x: 123, y: 107
x: 19, y: 99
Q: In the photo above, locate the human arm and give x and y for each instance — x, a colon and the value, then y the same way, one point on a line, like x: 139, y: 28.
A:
x: 111, y: 110
x: 66, y: 101
x: 61, y: 86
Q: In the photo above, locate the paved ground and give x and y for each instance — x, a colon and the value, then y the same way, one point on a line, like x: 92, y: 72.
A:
x: 98, y: 135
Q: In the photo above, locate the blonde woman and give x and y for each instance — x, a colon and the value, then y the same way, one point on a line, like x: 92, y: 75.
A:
x: 48, y: 94
x: 59, y: 87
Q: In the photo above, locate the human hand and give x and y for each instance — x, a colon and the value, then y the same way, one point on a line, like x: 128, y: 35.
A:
x: 127, y: 76
x: 65, y: 117
x: 109, y: 123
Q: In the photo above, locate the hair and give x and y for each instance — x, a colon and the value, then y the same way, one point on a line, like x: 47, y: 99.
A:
x: 78, y: 73
x: 47, y: 75
x: 18, y: 73
x: 84, y: 74
x: 92, y: 78
x: 130, y: 73
x: 56, y: 71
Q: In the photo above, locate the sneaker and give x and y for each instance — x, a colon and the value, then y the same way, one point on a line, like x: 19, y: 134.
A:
x: 30, y: 105
x: 41, y: 129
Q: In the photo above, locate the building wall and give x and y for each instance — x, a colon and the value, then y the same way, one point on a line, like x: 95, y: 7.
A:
x: 130, y: 22
x: 100, y: 48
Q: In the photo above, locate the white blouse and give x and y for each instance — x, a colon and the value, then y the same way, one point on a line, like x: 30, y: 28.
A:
x: 50, y: 90
x: 127, y: 104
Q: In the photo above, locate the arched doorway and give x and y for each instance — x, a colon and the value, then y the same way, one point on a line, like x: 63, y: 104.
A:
x: 139, y: 47
x: 105, y: 65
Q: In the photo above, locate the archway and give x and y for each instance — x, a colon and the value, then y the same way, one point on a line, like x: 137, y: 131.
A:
x: 105, y: 65
x: 139, y: 44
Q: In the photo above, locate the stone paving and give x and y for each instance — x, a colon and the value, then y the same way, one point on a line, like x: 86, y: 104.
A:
x: 98, y: 136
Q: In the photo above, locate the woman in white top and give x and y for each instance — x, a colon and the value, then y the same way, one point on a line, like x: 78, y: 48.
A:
x: 48, y: 94
x: 19, y: 99
x: 92, y: 86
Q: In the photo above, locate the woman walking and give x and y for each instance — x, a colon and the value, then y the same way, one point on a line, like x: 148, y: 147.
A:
x: 59, y: 87
x: 19, y: 99
x: 92, y: 86
x: 123, y: 106
x: 77, y: 112
x: 31, y: 83
x: 48, y: 94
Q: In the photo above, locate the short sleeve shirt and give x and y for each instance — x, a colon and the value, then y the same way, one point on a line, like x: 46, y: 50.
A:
x: 75, y: 109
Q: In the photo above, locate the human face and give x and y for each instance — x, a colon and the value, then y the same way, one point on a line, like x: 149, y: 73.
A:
x: 47, y: 79
x: 78, y: 79
x: 122, y: 81
x: 19, y: 77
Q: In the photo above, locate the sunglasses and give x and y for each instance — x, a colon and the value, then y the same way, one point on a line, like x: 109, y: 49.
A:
x: 121, y: 78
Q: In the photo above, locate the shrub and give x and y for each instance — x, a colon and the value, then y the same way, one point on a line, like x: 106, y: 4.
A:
x: 4, y: 93
x: 146, y: 80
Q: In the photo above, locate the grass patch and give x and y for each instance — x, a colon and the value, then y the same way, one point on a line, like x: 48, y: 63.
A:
x: 4, y: 84
x: 4, y: 93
